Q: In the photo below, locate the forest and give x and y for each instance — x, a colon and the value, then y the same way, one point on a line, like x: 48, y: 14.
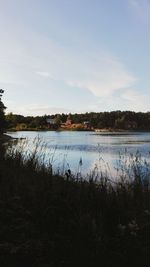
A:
x: 125, y: 120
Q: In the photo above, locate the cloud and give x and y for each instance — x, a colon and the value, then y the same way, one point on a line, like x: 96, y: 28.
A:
x: 40, y: 63
x: 135, y: 100
x: 95, y: 70
x: 104, y: 75
x: 39, y: 110
x: 44, y: 74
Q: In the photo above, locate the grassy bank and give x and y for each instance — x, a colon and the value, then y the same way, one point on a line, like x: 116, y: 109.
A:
x: 48, y: 220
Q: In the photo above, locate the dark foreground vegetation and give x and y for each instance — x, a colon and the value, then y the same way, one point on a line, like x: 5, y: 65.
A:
x: 2, y: 114
x: 125, y: 120
x: 48, y: 220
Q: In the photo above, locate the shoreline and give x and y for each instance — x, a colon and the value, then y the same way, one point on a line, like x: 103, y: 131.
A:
x: 77, y: 130
x: 5, y: 137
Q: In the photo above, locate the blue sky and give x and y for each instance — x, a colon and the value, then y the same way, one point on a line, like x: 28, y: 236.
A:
x: 74, y: 55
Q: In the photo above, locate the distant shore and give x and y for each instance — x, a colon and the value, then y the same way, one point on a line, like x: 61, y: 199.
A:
x: 77, y: 130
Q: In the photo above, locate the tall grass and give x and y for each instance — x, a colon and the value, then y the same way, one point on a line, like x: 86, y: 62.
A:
x: 52, y: 220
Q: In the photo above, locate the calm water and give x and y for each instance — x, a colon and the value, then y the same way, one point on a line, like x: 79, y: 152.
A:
x: 66, y: 149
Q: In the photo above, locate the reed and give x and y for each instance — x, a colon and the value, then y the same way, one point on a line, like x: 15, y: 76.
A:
x: 52, y: 220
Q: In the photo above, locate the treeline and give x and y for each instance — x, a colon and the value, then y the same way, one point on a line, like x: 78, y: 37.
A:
x: 115, y: 119
x: 20, y: 122
x: 127, y: 120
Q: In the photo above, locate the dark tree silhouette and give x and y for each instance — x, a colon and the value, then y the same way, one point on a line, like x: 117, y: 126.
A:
x: 2, y: 115
x: 126, y: 120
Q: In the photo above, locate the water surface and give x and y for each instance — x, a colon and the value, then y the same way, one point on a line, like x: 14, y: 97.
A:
x: 84, y: 151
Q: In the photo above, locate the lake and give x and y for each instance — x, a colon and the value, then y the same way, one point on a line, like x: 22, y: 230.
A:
x: 84, y: 152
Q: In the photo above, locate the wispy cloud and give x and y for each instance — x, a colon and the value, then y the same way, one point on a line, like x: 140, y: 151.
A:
x: 35, y: 66
x: 98, y: 71
x: 44, y: 74
x: 33, y: 109
x: 102, y: 75
x: 135, y: 100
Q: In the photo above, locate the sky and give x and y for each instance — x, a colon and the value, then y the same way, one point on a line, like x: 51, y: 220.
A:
x: 74, y: 55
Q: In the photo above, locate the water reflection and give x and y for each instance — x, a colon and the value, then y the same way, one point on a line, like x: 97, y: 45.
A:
x: 97, y: 150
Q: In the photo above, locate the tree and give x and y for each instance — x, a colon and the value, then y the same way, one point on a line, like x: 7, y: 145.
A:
x: 58, y: 120
x: 2, y: 115
x: 120, y: 123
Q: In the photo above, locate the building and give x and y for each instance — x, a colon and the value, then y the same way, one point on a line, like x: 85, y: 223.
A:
x: 87, y: 125
x: 50, y: 122
x: 68, y: 121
